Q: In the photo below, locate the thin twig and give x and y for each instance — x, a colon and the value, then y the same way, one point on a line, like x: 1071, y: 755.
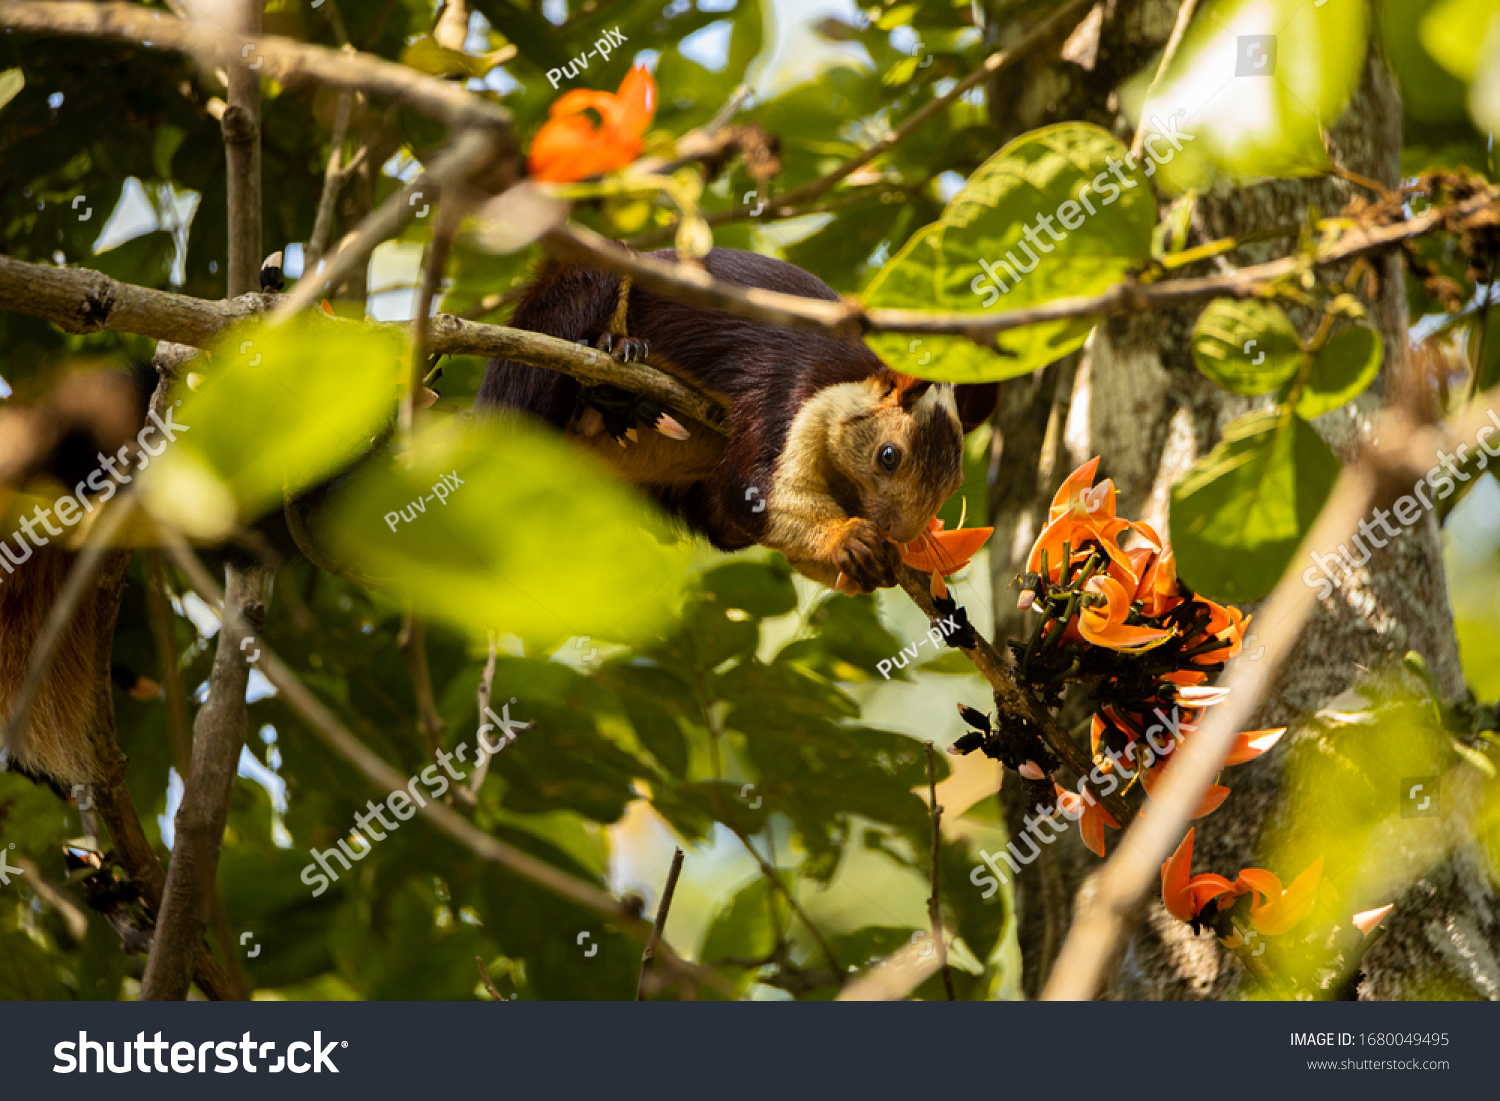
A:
x: 1055, y: 26
x: 474, y: 153
x: 1179, y: 30
x: 470, y: 795
x: 934, y: 902
x: 489, y: 984
x: 449, y: 214
x: 807, y: 922
x: 333, y: 183
x: 660, y: 924
x: 166, y: 651
x: 413, y: 640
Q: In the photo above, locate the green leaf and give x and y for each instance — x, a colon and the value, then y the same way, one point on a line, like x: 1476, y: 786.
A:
x: 11, y: 82
x: 426, y: 56
x: 515, y: 530
x: 1020, y: 233
x: 281, y: 410
x: 1241, y: 512
x: 1341, y: 370
x: 1453, y: 32
x: 764, y: 589
x: 27, y: 972
x: 1429, y: 93
x: 1248, y: 347
x: 742, y: 929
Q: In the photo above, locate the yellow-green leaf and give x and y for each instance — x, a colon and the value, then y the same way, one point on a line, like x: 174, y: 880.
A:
x: 514, y: 530
x: 279, y: 410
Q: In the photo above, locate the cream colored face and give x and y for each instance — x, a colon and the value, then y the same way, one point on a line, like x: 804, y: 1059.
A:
x: 904, y: 463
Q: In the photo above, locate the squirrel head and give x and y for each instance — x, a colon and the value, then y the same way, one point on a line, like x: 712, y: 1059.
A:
x: 899, y: 441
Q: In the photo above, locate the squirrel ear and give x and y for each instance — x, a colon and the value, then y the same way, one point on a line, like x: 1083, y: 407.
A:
x: 909, y: 389
x: 977, y: 402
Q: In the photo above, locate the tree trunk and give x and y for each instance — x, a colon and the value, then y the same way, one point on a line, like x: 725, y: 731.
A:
x: 1138, y: 401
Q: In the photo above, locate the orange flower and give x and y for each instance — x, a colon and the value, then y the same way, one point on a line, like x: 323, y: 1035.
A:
x: 1090, y: 814
x: 570, y: 146
x: 1227, y: 624
x: 1081, y: 514
x: 939, y: 551
x: 1158, y: 589
x: 1281, y: 909
x: 1250, y: 744
x: 1186, y: 897
x: 1212, y: 799
x: 1104, y: 625
x: 1366, y: 920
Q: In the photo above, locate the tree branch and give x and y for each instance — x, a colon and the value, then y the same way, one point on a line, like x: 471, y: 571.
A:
x: 690, y: 283
x: 223, y: 722
x: 281, y: 59
x: 83, y: 301
x: 333, y: 183
x: 218, y: 737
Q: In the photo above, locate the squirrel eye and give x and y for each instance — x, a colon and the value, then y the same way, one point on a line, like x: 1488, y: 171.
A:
x: 889, y: 457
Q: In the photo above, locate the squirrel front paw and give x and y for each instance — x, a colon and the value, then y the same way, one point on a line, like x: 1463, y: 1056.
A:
x: 625, y: 349
x: 866, y: 559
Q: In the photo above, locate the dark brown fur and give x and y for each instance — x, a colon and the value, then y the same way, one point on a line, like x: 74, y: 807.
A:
x: 764, y: 374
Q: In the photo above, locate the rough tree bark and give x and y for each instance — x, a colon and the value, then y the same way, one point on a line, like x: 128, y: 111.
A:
x: 1138, y: 401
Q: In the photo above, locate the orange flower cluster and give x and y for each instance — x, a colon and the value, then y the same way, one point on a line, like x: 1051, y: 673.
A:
x: 571, y: 146
x: 1119, y: 618
x: 1273, y: 910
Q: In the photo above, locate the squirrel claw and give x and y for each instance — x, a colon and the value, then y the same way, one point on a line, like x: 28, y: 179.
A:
x: 625, y: 349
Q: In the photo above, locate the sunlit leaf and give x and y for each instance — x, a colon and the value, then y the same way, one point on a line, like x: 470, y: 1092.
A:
x: 1055, y: 214
x: 280, y: 410
x: 1247, y: 346
x: 11, y: 82
x: 1252, y: 89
